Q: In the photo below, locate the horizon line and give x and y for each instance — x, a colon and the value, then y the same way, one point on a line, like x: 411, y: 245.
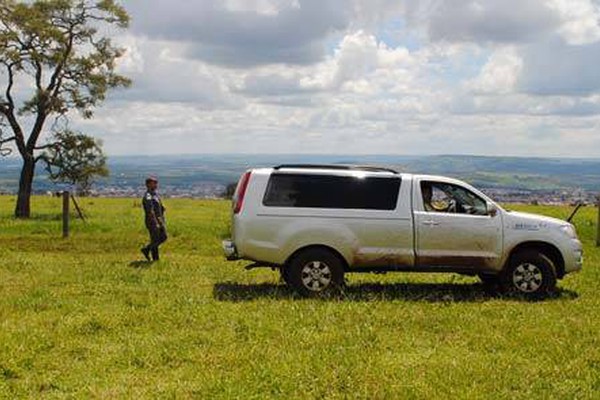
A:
x: 15, y: 155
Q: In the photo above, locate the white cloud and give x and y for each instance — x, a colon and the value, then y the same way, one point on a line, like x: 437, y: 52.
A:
x: 132, y: 61
x: 580, y: 20
x: 500, y: 74
x: 357, y: 62
x: 264, y: 7
x: 161, y: 73
x: 358, y: 76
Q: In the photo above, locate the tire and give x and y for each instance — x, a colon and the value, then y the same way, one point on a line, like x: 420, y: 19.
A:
x: 489, y: 279
x: 530, y: 274
x: 315, y: 272
x: 284, y: 272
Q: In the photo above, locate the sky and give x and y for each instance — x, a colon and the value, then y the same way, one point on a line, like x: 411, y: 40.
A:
x: 486, y: 77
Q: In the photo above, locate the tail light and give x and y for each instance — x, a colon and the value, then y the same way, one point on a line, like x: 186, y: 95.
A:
x: 240, y: 192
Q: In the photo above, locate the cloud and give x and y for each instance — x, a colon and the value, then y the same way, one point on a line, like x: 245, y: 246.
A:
x: 356, y: 63
x: 272, y: 84
x: 500, y: 74
x: 489, y: 20
x: 526, y: 106
x: 554, y: 67
x: 358, y: 76
x: 580, y: 20
x: 505, y: 21
x: 161, y: 73
x: 354, y: 66
x: 239, y: 34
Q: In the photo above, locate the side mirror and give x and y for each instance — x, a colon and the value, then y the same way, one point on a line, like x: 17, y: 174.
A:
x: 492, y: 209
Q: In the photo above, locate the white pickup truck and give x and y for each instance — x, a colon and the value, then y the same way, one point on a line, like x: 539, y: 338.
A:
x: 317, y: 222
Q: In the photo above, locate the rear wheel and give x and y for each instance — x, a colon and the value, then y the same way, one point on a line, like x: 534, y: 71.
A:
x: 530, y: 274
x: 489, y: 279
x: 315, y: 272
x: 285, y: 275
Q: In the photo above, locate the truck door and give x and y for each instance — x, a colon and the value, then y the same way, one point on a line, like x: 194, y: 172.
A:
x: 454, y: 228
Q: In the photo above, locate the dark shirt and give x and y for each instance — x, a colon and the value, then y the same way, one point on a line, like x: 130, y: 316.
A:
x: 154, y: 210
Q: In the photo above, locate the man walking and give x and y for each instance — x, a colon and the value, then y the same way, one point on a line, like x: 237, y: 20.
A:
x: 154, y: 218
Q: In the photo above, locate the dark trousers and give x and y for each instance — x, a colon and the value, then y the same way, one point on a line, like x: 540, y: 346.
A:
x: 157, y: 237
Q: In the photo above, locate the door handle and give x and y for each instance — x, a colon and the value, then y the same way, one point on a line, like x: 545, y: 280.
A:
x: 430, y: 223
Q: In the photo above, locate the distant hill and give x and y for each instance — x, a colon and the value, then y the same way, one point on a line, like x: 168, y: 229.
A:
x: 205, y: 175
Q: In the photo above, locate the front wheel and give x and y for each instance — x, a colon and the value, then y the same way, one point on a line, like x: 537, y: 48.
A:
x: 315, y: 272
x: 530, y: 274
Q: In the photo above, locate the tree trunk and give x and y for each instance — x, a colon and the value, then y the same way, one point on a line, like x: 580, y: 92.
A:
x: 23, y: 208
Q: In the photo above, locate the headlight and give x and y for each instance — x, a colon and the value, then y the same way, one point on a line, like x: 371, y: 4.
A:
x: 569, y: 230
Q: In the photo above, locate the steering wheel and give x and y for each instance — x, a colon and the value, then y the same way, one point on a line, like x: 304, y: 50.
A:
x: 469, y: 209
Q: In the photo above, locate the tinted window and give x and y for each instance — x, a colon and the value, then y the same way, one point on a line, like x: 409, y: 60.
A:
x: 323, y: 191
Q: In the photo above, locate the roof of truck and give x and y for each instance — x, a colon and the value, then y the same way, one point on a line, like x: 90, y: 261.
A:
x: 337, y: 167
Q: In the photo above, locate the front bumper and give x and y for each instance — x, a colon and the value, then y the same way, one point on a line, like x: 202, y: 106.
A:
x: 230, y: 250
x: 574, y: 260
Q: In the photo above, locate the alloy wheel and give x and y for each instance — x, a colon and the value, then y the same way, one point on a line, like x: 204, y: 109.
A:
x: 316, y: 276
x: 527, y: 278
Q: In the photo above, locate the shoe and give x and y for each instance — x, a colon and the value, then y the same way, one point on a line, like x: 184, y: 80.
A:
x: 146, y: 253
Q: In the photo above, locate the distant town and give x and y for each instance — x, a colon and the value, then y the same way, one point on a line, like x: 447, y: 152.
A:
x: 505, y: 179
x: 214, y: 191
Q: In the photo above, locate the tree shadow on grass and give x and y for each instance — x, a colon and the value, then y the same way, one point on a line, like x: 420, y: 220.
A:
x: 417, y: 292
x: 44, y: 217
x: 38, y: 217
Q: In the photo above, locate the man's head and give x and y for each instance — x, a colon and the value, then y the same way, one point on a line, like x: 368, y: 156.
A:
x: 151, y: 183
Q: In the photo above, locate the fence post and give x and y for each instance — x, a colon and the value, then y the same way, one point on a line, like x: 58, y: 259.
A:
x: 66, y: 197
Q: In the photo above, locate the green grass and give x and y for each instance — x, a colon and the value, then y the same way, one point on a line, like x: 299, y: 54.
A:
x: 79, y: 318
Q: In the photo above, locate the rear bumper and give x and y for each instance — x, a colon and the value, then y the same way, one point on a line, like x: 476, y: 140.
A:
x: 230, y: 250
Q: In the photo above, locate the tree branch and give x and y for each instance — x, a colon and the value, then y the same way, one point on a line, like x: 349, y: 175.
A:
x: 38, y: 75
x: 16, y: 128
x: 47, y: 146
x: 8, y: 93
x: 8, y: 140
x: 55, y: 78
x: 44, y: 158
x: 36, y: 130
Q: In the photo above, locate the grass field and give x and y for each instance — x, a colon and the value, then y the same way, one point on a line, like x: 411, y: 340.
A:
x: 83, y: 318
